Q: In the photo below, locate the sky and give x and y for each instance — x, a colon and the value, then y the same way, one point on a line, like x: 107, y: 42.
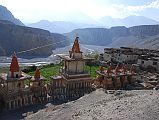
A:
x: 29, y: 11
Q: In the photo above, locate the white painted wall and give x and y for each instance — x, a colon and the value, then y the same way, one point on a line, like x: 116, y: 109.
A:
x: 15, y: 74
x: 107, y: 57
x: 146, y: 63
x: 72, y: 66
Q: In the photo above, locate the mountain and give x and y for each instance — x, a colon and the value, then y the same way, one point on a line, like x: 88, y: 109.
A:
x: 128, y: 21
x: 7, y: 15
x: 20, y: 38
x: 137, y: 36
x: 91, y: 36
x: 60, y: 26
x: 98, y: 36
x: 46, y: 25
x: 105, y: 22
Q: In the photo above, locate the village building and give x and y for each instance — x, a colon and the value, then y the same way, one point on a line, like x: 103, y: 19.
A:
x: 149, y: 62
x: 120, y: 55
x: 13, y: 91
x: 74, y: 81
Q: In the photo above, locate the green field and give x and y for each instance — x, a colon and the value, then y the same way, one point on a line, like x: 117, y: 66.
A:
x: 48, y: 71
x: 4, y: 70
x: 51, y: 70
x: 54, y: 70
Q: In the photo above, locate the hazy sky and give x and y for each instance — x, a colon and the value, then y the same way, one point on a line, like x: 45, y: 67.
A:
x: 70, y: 10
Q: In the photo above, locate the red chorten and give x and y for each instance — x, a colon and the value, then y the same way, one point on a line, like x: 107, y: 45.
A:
x: 101, y: 68
x: 37, y: 74
x: 109, y: 70
x: 124, y: 68
x: 75, y: 47
x: 14, y: 67
x: 132, y: 69
x: 116, y: 69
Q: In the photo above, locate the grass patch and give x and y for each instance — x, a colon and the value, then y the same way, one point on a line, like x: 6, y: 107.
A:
x: 50, y: 70
x: 4, y: 70
x: 92, y: 70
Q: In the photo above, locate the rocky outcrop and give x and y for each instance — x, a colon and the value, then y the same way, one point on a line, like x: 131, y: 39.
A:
x: 20, y: 38
x: 144, y: 30
x: 115, y: 36
x: 91, y: 36
x: 7, y: 15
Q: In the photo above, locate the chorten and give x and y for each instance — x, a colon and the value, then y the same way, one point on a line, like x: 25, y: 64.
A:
x: 15, y: 77
x: 16, y: 93
x: 14, y: 71
x: 37, y: 87
x: 37, y: 79
x: 74, y: 80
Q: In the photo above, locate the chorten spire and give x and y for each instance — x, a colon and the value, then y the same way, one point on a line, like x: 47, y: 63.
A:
x: 109, y: 70
x: 14, y: 66
x: 101, y: 68
x: 37, y: 74
x: 116, y: 69
x: 75, y: 47
x: 132, y: 69
x: 124, y: 69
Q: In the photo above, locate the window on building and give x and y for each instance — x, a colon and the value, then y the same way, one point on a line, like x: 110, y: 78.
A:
x: 16, y: 75
x: 154, y: 63
x: 142, y: 62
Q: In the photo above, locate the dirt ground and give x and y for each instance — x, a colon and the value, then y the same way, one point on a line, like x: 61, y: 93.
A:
x: 100, y: 105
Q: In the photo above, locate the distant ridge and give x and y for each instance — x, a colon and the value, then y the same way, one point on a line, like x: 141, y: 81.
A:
x: 61, y: 26
x: 20, y: 38
x: 5, y: 14
x: 137, y: 36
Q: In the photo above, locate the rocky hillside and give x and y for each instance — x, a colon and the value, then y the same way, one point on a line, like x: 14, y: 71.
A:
x: 117, y: 36
x: 5, y: 14
x: 19, y: 38
x: 122, y: 105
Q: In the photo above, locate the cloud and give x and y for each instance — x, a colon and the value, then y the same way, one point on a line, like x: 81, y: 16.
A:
x: 121, y: 7
x: 35, y: 10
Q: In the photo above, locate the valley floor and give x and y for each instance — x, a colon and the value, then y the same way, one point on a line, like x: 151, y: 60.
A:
x: 122, y: 105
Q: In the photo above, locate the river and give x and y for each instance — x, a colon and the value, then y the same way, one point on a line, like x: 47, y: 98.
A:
x: 5, y: 61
